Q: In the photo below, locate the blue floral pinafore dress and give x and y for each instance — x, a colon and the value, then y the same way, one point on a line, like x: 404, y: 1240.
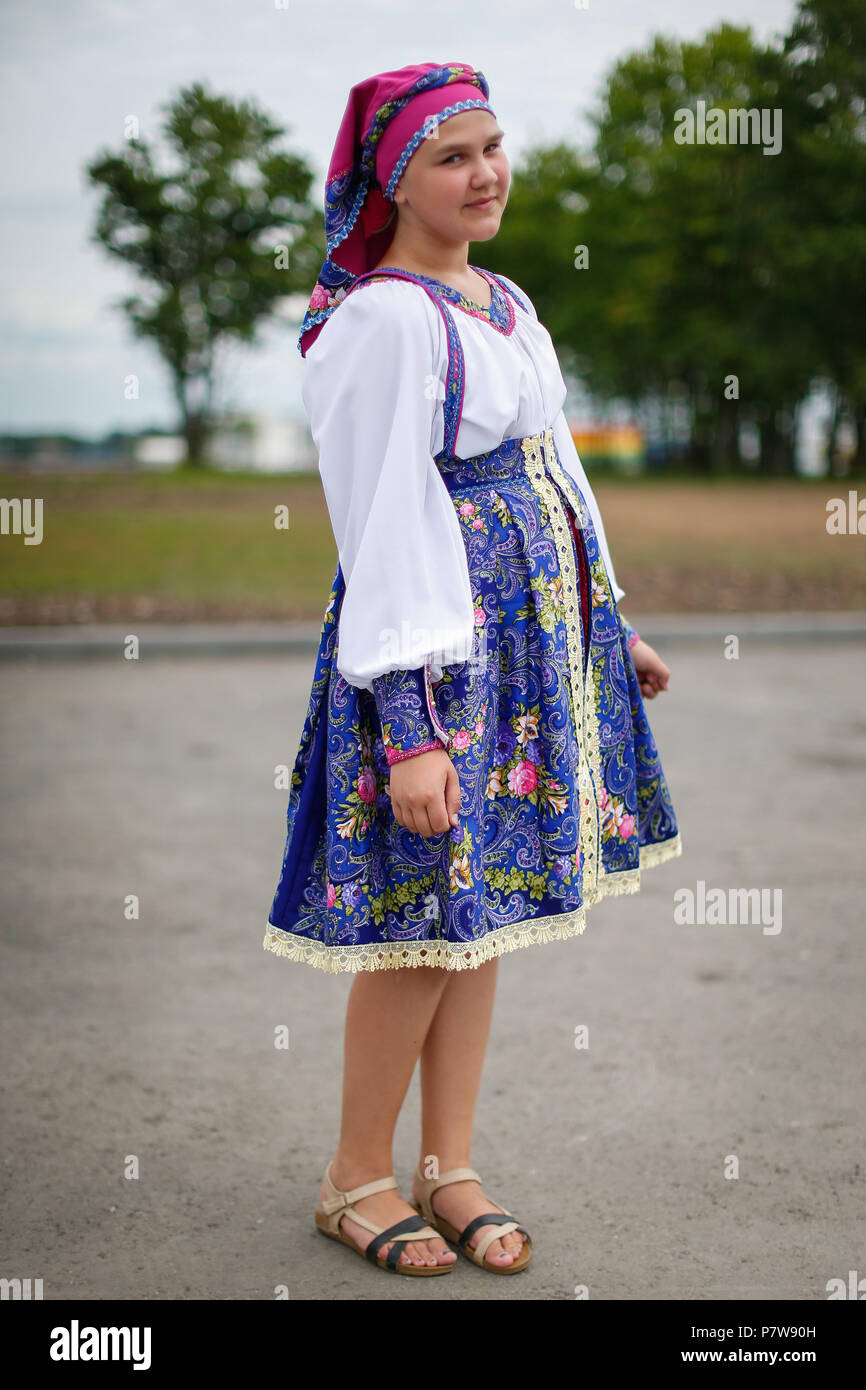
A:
x: 563, y: 796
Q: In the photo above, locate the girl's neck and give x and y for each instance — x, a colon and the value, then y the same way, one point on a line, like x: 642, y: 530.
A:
x: 462, y: 279
x: 428, y: 260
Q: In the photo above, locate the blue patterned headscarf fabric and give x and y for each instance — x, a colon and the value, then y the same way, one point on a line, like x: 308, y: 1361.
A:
x: 386, y: 118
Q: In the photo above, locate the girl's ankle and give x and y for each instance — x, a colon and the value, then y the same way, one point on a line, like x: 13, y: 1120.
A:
x: 431, y: 1164
x: 349, y: 1172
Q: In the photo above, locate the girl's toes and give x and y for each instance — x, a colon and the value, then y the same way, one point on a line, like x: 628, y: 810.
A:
x: 496, y: 1253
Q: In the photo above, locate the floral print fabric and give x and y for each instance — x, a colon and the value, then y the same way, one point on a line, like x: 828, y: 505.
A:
x: 563, y: 796
x: 407, y: 714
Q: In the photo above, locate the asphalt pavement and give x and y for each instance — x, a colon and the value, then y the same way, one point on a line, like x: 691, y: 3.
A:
x: 706, y: 1145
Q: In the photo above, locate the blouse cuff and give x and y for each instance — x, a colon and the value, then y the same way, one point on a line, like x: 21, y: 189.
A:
x: 631, y: 635
x: 407, y: 713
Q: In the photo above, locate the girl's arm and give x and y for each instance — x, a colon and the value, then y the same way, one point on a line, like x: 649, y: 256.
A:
x: 647, y: 662
x: 652, y: 673
x: 567, y: 451
x: 371, y: 389
x: 407, y: 712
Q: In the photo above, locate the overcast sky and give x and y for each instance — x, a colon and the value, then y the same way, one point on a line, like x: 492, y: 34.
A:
x: 72, y: 72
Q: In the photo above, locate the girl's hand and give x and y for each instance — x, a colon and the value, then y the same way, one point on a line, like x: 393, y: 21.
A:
x: 425, y: 792
x: 652, y: 673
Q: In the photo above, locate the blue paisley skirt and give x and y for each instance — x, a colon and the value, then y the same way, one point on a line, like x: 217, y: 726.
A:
x: 563, y: 796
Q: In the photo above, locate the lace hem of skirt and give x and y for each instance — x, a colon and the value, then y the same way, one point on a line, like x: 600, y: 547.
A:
x: 463, y: 955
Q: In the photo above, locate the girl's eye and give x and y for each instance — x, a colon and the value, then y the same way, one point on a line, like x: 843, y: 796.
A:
x: 456, y: 155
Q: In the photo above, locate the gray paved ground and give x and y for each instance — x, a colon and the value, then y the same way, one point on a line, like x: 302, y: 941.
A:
x: 154, y: 1037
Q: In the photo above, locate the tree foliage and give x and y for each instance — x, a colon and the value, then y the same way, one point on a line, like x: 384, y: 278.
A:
x: 711, y: 261
x: 217, y: 239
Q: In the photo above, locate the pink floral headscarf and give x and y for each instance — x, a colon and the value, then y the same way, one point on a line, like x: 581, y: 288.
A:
x: 386, y: 118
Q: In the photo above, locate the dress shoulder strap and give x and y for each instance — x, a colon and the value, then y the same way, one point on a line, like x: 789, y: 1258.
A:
x: 455, y: 381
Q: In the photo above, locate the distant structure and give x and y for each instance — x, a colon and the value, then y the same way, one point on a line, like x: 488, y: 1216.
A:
x: 243, y: 440
x: 622, y: 445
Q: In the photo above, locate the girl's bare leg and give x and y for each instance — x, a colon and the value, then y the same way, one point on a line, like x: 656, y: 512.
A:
x: 388, y: 1015
x: 452, y: 1059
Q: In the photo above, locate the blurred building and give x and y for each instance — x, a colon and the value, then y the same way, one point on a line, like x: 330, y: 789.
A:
x: 621, y: 445
x: 264, y: 443
x: 243, y: 440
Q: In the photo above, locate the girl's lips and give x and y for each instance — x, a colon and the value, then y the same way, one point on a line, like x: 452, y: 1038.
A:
x: 484, y: 203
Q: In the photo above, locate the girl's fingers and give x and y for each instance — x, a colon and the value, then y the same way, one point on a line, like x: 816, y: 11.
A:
x: 427, y: 808
x: 652, y: 676
x: 422, y: 823
x: 411, y: 819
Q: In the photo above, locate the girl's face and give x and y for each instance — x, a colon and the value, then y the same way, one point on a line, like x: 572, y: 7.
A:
x: 459, y: 164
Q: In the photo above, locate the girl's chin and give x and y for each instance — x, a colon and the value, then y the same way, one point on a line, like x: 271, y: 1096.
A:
x: 483, y: 221
x: 484, y: 228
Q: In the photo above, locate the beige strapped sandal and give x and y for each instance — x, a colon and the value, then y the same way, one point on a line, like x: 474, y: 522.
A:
x: 502, y: 1218
x: 337, y: 1204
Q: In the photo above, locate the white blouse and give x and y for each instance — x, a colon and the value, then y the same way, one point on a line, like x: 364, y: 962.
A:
x: 373, y: 390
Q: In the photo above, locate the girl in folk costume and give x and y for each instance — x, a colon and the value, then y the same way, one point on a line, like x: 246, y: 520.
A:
x: 476, y: 768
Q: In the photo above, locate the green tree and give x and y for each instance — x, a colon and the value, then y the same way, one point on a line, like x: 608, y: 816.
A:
x: 825, y: 255
x: 707, y: 261
x: 685, y: 284
x: 218, y: 238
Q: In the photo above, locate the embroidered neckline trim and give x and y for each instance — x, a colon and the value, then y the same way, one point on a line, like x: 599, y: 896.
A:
x: 500, y: 312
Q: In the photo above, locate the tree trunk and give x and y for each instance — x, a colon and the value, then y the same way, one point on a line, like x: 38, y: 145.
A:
x: 195, y: 418
x: 700, y: 449
x: 726, y: 449
x: 834, y: 432
x: 777, y: 449
x: 858, y: 462
x: 195, y: 433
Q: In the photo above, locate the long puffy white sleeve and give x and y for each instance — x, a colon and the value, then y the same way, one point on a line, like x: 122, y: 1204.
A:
x: 373, y: 381
x: 567, y: 451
